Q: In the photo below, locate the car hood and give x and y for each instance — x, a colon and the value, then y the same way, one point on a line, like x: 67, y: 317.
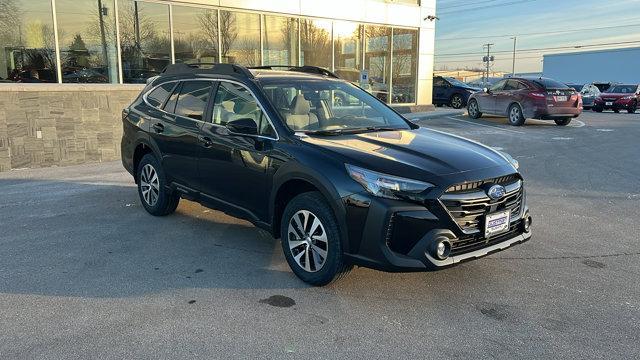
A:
x: 407, y: 152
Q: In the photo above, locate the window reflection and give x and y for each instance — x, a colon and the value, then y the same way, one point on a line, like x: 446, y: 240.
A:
x: 280, y: 40
x: 315, y: 42
x: 27, y: 42
x: 87, y: 37
x: 377, y: 59
x: 144, y: 39
x: 240, y: 38
x: 347, y: 38
x: 405, y: 62
x: 195, y: 34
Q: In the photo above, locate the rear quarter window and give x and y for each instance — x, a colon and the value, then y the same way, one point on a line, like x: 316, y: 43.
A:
x: 159, y: 95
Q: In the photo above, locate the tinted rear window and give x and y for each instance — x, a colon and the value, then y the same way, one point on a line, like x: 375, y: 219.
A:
x: 193, y: 99
x: 550, y: 84
x: 158, y: 96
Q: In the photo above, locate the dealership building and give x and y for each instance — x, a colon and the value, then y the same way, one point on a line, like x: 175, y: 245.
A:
x: 68, y: 67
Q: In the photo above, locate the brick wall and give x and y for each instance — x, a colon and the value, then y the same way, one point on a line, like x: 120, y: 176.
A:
x: 45, y: 125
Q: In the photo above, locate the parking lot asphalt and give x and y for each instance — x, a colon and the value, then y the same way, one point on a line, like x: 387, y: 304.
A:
x: 85, y: 272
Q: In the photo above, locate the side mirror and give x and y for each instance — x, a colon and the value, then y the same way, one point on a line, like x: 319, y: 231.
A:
x: 244, y: 126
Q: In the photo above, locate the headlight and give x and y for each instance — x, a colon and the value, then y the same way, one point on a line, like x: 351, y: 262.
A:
x: 628, y: 97
x: 513, y: 161
x: 386, y: 186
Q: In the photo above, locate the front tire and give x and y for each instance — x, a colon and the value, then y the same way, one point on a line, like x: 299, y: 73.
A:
x: 632, y: 109
x: 152, y: 188
x: 516, y: 117
x: 563, y: 121
x: 456, y: 101
x: 311, y: 241
x: 473, y: 109
x: 597, y: 109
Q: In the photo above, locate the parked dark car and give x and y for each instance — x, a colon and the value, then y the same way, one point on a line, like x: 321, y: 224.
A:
x: 619, y: 97
x: 339, y: 185
x: 522, y: 98
x: 451, y: 92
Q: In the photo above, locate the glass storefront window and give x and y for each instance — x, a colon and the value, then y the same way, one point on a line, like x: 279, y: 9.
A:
x: 87, y: 40
x: 315, y: 43
x: 280, y: 40
x: 405, y: 65
x: 240, y: 38
x: 144, y: 39
x: 195, y: 34
x: 347, y: 42
x: 27, y: 42
x: 377, y: 59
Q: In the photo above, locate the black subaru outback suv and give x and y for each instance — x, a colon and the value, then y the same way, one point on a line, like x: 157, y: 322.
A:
x: 340, y: 184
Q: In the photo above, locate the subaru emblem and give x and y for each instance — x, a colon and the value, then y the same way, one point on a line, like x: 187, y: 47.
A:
x: 496, y: 192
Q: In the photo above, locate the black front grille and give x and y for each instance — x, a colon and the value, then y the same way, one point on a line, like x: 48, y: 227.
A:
x: 503, y: 180
x: 468, y: 209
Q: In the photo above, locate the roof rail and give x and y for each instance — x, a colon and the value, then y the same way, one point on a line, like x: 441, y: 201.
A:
x: 215, y: 68
x: 305, y: 69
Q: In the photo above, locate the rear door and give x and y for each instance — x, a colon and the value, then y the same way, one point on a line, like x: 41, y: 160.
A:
x: 176, y: 133
x: 504, y: 97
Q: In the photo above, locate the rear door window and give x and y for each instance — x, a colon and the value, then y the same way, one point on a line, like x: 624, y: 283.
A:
x: 193, y: 98
x: 159, y: 95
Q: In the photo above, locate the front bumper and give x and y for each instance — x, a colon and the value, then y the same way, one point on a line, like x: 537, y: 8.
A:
x: 400, y: 236
x: 620, y: 104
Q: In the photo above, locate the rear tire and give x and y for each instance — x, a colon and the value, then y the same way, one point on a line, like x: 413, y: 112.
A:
x: 516, y: 117
x: 616, y: 111
x: 456, y: 101
x: 473, y: 109
x: 152, y: 188
x: 563, y: 121
x: 311, y: 241
x: 597, y: 109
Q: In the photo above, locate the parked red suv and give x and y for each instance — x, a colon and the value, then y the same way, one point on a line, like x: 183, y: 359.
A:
x: 618, y: 97
x: 522, y: 98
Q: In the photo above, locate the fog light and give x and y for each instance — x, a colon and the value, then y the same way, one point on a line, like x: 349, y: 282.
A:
x: 443, y: 248
x: 527, y: 223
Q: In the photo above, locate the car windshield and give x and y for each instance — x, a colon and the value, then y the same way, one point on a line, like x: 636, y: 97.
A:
x: 456, y: 82
x: 328, y: 107
x: 623, y: 89
x: 550, y: 84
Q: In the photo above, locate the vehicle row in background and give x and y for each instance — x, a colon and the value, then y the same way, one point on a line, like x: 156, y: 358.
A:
x: 525, y: 97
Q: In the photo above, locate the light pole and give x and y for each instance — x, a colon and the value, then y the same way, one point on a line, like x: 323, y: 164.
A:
x: 487, y: 59
x: 513, y: 70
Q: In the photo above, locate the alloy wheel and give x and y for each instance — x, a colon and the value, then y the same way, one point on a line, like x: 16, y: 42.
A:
x: 149, y: 185
x: 514, y: 115
x: 308, y: 241
x: 456, y: 102
x: 473, y: 108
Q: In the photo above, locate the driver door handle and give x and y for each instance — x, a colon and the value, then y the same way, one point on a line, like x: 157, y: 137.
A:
x: 158, y: 127
x: 206, y: 141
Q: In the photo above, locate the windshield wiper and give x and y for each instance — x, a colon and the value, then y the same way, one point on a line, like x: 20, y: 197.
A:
x: 352, y: 130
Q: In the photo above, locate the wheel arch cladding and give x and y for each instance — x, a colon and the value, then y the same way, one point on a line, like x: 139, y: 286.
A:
x: 142, y: 148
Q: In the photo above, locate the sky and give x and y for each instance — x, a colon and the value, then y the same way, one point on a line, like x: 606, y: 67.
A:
x: 465, y: 25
